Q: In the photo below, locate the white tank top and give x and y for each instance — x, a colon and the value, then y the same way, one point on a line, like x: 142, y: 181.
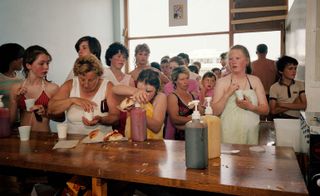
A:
x: 108, y: 74
x: 75, y: 113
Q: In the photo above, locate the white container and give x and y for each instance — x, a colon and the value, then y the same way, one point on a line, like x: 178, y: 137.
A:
x: 239, y: 94
x: 88, y: 115
x: 288, y: 133
x: 24, y: 132
x: 62, y: 130
x: 29, y: 103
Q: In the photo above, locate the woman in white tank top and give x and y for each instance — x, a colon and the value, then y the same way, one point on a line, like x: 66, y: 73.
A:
x: 86, y: 92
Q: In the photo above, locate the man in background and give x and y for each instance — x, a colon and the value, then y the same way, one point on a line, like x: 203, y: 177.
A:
x: 265, y: 69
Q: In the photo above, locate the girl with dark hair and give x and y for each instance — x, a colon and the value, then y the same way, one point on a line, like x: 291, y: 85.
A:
x: 11, y: 55
x: 85, y: 46
x: 36, y: 65
x: 116, y: 57
x: 154, y: 102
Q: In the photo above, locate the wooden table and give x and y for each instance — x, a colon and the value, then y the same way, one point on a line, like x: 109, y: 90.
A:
x: 274, y: 172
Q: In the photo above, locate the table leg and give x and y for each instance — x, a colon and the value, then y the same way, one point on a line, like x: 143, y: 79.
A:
x: 99, y: 187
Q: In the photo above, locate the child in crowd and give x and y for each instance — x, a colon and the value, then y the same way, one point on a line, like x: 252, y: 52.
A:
x: 287, y: 96
x: 208, y: 81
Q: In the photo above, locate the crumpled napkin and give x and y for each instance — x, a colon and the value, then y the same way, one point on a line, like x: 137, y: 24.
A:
x: 66, y: 144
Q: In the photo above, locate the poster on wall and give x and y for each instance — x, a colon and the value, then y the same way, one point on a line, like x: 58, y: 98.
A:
x: 178, y: 13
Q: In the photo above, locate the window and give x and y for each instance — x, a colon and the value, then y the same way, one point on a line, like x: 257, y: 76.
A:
x: 207, y: 34
x: 149, y: 18
x: 205, y: 49
x: 251, y: 40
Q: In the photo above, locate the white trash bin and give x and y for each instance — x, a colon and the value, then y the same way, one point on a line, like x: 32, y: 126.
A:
x: 288, y: 133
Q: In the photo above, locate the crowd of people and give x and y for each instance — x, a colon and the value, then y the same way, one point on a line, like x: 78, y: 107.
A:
x: 164, y: 88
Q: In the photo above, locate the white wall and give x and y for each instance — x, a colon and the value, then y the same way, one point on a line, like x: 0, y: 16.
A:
x: 301, y: 44
x: 312, y: 58
x: 56, y: 25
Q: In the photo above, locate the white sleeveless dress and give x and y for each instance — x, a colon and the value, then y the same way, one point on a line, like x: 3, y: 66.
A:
x: 75, y: 113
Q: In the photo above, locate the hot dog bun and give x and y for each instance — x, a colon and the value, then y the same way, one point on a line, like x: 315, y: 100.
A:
x: 126, y: 103
x: 113, y: 136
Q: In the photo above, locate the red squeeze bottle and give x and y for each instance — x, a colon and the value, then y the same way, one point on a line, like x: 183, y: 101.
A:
x: 4, y: 120
x: 138, y: 120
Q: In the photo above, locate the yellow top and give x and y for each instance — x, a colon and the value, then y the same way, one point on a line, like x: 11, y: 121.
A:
x: 150, y: 134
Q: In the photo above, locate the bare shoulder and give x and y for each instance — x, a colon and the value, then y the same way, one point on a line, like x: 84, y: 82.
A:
x: 171, y: 96
x: 161, y: 96
x: 52, y: 88
x: 224, y: 81
x: 254, y: 80
x: 160, y: 99
x: 16, y: 85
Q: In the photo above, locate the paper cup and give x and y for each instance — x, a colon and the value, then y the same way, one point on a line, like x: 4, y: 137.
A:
x: 24, y: 132
x: 29, y: 103
x: 88, y: 115
x: 62, y: 130
x: 239, y: 94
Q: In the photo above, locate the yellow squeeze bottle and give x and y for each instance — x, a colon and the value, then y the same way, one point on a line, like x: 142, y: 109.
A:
x: 214, y: 131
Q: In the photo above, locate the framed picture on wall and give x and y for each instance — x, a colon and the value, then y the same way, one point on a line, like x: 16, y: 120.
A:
x: 178, y: 13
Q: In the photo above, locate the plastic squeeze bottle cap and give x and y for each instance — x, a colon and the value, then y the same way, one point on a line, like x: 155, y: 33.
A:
x: 196, y: 114
x: 208, y: 109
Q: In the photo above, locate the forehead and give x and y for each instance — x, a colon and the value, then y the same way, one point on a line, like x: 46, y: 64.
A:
x: 173, y: 64
x: 42, y: 57
x: 84, y: 43
x: 236, y: 52
x: 143, y: 85
x: 88, y: 75
x: 290, y: 65
x: 142, y: 52
x: 208, y: 78
x: 183, y: 76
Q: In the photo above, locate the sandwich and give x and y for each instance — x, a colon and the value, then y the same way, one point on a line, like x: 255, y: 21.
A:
x: 126, y: 104
x: 94, y: 134
x: 113, y: 136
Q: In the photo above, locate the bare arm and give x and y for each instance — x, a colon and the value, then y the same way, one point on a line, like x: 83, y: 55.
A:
x: 15, y: 92
x: 275, y: 108
x: 155, y: 123
x: 131, y: 82
x: 62, y: 102
x: 222, y: 92
x: 113, y: 113
x: 299, y: 104
x: 173, y: 111
x: 138, y: 95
